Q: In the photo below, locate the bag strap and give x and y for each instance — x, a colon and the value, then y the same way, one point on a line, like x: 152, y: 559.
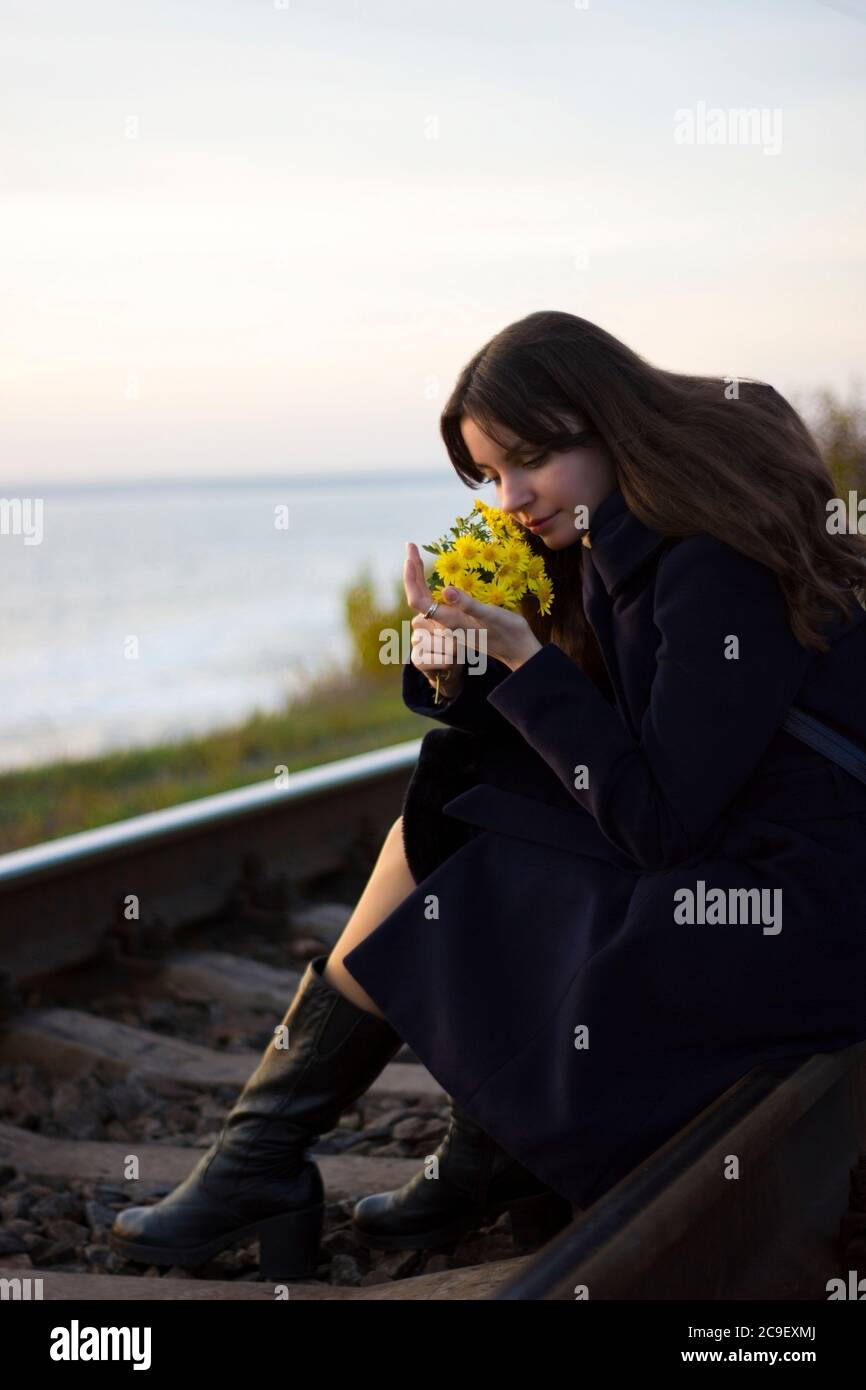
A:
x: 827, y: 740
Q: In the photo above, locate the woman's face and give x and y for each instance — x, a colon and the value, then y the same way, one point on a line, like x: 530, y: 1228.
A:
x: 532, y: 485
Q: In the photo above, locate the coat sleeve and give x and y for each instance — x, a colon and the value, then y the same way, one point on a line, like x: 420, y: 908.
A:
x: 709, y: 718
x: 468, y: 709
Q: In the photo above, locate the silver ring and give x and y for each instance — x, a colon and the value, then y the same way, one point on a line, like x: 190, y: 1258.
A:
x: 432, y: 609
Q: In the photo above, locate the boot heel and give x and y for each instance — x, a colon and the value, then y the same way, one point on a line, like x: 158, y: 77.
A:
x: 537, y: 1219
x: 289, y: 1245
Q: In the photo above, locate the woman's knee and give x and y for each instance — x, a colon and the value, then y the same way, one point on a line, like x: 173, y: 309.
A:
x: 396, y: 841
x: 394, y: 836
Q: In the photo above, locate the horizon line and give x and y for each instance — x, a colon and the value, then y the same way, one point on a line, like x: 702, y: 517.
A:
x: 29, y: 489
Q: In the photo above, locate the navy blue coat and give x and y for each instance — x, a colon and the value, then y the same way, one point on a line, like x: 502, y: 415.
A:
x: 543, y: 972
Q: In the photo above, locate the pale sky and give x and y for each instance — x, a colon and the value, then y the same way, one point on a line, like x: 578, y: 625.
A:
x: 264, y: 236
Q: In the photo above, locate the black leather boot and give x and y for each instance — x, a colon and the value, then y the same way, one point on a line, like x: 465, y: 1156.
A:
x: 477, y: 1181
x: 256, y: 1180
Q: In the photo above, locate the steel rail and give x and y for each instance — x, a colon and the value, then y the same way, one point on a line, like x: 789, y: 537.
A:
x: 222, y: 808
x: 62, y: 900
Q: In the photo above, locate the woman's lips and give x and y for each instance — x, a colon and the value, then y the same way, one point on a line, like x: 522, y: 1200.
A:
x: 539, y: 525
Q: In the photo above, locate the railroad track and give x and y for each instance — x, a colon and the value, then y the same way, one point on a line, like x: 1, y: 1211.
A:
x: 132, y: 1036
x: 100, y: 1086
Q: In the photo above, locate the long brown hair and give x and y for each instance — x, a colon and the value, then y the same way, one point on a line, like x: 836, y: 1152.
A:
x: 725, y: 456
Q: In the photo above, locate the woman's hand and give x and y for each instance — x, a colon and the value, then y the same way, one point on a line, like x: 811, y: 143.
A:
x: 440, y: 668
x: 509, y: 638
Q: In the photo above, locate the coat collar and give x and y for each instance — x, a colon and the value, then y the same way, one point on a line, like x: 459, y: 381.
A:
x: 618, y: 544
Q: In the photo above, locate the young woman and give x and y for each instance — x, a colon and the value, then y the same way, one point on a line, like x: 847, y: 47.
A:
x: 618, y: 882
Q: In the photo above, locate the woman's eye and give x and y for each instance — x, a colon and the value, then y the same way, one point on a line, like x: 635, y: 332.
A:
x: 527, y: 463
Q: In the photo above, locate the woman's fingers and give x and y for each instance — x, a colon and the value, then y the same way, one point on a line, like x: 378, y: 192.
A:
x: 418, y: 595
x: 420, y: 598
x: 434, y: 646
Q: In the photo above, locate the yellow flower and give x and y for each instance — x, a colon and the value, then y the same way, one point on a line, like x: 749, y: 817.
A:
x: 513, y: 602
x: 514, y: 552
x: 450, y: 567
x: 487, y: 557
x: 468, y: 549
x: 490, y: 554
x: 496, y: 520
x: 499, y: 593
x: 544, y: 594
x: 510, y: 574
x: 473, y: 585
x: 534, y: 570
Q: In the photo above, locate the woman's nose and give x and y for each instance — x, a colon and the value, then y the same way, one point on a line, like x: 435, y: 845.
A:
x: 516, y: 497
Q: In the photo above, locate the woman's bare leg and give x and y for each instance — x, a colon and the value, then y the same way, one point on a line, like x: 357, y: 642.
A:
x: 388, y: 885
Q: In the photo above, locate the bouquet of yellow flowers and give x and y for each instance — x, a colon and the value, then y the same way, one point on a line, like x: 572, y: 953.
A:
x: 487, y: 557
